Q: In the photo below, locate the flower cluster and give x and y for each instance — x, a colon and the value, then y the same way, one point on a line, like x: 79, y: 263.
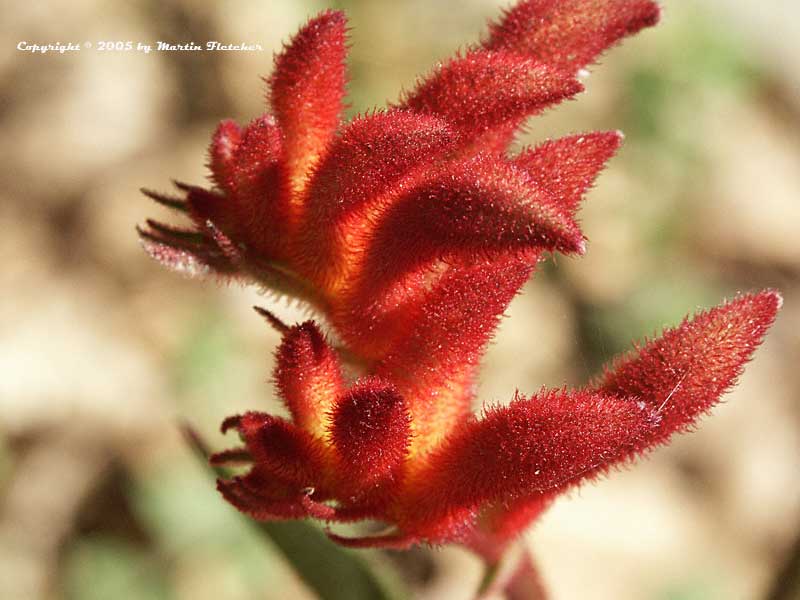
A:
x: 410, y: 230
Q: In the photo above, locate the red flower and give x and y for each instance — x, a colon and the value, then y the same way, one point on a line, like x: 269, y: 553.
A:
x: 360, y: 451
x: 411, y: 230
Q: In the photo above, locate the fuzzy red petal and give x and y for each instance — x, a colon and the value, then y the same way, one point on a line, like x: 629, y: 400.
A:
x: 265, y: 498
x: 370, y: 427
x: 433, y: 364
x: 306, y: 92
x: 531, y: 446
x: 287, y: 453
x: 569, y: 34
x: 567, y: 167
x: 683, y: 373
x: 222, y: 151
x: 482, y: 92
x: 186, y: 251
x: 465, y: 212
x: 480, y: 207
x: 180, y: 260
x: 371, y: 157
x: 255, y: 204
x: 680, y: 375
x: 308, y: 376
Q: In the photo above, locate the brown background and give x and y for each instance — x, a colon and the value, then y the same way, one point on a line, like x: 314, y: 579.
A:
x: 102, y: 351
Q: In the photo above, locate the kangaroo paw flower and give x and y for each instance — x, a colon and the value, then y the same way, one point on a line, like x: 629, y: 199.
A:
x: 410, y: 230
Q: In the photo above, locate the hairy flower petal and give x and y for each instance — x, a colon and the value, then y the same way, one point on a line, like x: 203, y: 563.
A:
x: 369, y: 427
x: 262, y: 497
x: 222, y: 152
x: 287, y: 453
x: 192, y: 263
x: 255, y: 202
x: 680, y: 376
x: 683, y: 373
x: 533, y: 445
x: 480, y: 207
x: 569, y: 34
x: 464, y: 213
x: 434, y: 362
x: 306, y: 92
x: 309, y: 376
x: 567, y: 167
x: 187, y: 251
x: 372, y: 157
x: 167, y: 200
x: 482, y: 92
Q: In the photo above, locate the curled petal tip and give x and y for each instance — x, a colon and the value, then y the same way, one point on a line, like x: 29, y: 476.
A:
x: 230, y: 423
x: 273, y: 321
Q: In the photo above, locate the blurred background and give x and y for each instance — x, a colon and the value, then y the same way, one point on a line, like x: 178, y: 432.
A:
x: 103, y: 353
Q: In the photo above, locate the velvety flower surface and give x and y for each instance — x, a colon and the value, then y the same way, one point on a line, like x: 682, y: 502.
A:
x: 410, y: 230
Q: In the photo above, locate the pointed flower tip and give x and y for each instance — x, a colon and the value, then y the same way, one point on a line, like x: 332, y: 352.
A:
x: 775, y: 297
x: 570, y: 34
x: 652, y: 14
x: 272, y: 320
x: 333, y: 15
x: 573, y: 87
x: 181, y: 260
x: 308, y: 374
x: 757, y: 309
x: 567, y: 167
x: 165, y: 199
x: 306, y: 91
x: 485, y: 91
x: 686, y: 371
